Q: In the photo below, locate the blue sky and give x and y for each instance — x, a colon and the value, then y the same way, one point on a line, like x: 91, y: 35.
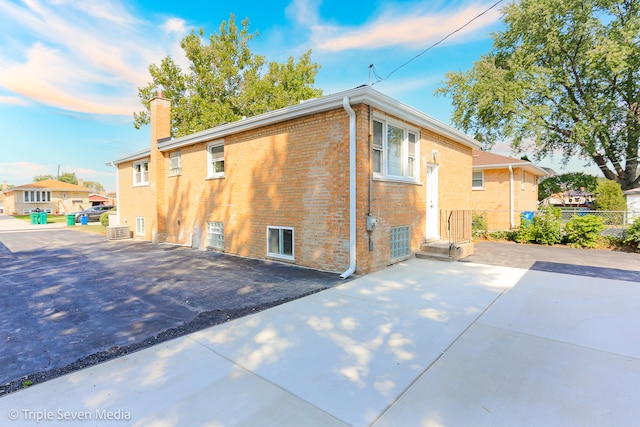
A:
x: 70, y: 69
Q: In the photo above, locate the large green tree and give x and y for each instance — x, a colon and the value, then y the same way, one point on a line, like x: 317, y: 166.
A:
x: 566, y: 182
x: 564, y: 75
x: 225, y: 81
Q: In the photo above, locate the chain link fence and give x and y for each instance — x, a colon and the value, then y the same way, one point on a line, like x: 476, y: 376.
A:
x: 615, y: 222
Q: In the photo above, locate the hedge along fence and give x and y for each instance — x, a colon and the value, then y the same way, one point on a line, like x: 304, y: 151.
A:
x: 500, y: 220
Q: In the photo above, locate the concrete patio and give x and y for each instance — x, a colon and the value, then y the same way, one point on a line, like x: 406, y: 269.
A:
x: 420, y: 343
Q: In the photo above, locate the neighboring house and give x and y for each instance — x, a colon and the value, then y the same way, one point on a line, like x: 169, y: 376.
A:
x: 99, y: 199
x: 353, y: 181
x: 633, y: 203
x: 52, y: 196
x: 503, y: 187
x: 570, y: 199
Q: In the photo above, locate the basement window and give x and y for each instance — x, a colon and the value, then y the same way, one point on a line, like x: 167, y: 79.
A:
x: 140, y: 226
x: 215, y: 234
x: 400, y: 238
x: 280, y: 242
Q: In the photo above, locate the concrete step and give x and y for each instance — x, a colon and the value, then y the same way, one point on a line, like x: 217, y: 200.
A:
x: 434, y: 255
x: 440, y: 249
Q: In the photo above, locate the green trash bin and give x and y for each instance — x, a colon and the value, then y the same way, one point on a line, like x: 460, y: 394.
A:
x: 71, y: 220
x: 43, y: 217
x: 34, y: 217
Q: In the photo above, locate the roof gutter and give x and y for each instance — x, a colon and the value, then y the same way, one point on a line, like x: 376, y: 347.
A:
x: 352, y: 188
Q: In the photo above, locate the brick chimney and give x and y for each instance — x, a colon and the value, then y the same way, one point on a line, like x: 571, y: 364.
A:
x: 81, y: 182
x: 160, y: 115
x: 4, y: 185
x: 160, y: 118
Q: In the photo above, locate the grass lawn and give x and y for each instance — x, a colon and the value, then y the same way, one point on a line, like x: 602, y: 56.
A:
x: 92, y: 227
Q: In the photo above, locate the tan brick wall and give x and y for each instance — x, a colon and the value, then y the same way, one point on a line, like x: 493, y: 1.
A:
x: 397, y: 204
x: 296, y: 174
x: 494, y: 199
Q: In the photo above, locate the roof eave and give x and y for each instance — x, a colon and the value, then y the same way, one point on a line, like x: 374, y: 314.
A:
x: 363, y: 94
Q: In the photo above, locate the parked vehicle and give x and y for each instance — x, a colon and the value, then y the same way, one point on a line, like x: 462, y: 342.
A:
x: 93, y: 213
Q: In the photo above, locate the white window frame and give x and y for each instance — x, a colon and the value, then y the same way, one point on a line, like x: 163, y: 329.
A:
x: 381, y: 149
x: 140, y: 226
x: 175, y: 163
x: 475, y: 187
x: 140, y: 178
x: 211, y: 173
x: 280, y: 253
x: 36, y: 196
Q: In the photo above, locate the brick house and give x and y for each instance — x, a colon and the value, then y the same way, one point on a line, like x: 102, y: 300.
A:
x: 503, y: 187
x: 50, y: 195
x: 353, y: 181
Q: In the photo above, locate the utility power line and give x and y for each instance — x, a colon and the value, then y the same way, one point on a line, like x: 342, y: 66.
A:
x: 373, y: 69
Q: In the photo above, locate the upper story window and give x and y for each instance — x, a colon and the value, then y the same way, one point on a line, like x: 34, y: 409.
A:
x: 175, y: 163
x: 477, y: 180
x: 31, y: 196
x: 215, y: 157
x: 396, y: 149
x: 141, y: 173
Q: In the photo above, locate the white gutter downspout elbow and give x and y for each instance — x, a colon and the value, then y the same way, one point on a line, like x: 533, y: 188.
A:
x: 511, y: 204
x: 352, y: 188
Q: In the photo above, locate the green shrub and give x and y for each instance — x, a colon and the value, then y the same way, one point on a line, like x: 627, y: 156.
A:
x: 524, y: 234
x: 104, y: 218
x: 584, y: 231
x: 501, y: 235
x: 632, y: 235
x: 547, y: 226
x: 479, y: 224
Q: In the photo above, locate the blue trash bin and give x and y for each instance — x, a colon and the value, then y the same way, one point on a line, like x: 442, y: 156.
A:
x: 527, y: 218
x: 84, y: 220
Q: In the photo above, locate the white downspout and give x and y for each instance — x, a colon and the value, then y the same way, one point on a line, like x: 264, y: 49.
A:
x: 511, y: 204
x: 352, y: 188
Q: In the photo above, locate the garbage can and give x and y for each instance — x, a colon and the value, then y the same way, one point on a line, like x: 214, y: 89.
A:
x: 84, y: 220
x: 34, y: 217
x: 527, y: 218
x: 71, y: 220
x: 43, y: 217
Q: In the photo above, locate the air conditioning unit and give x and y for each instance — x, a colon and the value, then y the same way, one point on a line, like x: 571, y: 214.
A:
x: 117, y: 232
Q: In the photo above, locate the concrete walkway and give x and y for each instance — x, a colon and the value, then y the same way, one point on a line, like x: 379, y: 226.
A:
x: 11, y: 224
x: 422, y: 343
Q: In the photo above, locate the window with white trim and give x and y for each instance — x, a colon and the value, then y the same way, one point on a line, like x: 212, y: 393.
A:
x: 477, y: 180
x: 280, y: 242
x: 400, y: 238
x: 215, y: 234
x: 140, y: 226
x: 175, y: 163
x: 215, y: 158
x: 33, y: 196
x: 396, y: 149
x: 141, y: 173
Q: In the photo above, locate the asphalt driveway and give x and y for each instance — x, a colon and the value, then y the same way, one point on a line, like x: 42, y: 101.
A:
x: 70, y: 299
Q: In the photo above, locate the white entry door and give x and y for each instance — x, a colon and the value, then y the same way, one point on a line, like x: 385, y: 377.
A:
x: 432, y: 231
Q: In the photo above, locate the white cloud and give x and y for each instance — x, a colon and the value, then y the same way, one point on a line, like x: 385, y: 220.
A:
x: 415, y: 27
x: 13, y: 100
x: 80, y: 55
x: 19, y: 173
